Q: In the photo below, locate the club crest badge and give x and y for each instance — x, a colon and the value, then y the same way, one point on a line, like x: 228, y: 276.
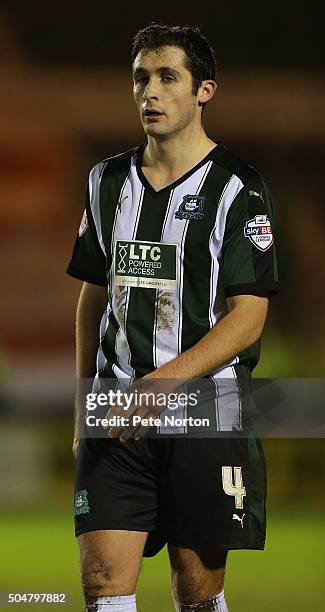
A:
x: 191, y: 208
x: 81, y: 505
x: 83, y: 224
x: 259, y: 232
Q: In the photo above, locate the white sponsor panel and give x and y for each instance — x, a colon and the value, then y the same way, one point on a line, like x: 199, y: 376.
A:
x: 140, y: 263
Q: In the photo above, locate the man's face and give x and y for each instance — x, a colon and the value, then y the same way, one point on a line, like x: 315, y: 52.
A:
x: 162, y: 83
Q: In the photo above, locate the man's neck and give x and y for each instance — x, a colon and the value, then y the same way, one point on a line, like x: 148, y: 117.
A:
x: 176, y: 155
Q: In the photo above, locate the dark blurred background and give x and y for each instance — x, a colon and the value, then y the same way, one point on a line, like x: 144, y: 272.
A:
x: 66, y: 103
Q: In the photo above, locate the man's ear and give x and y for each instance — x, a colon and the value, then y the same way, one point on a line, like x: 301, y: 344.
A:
x: 206, y: 91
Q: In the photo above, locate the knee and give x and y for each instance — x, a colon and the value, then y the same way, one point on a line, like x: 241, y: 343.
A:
x: 191, y: 586
x: 99, y: 579
x: 197, y: 577
x: 96, y: 576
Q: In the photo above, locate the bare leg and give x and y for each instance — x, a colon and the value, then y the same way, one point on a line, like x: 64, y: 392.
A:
x: 196, y: 575
x: 110, y: 562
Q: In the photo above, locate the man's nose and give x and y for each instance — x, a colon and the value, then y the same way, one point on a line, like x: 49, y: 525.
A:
x: 150, y: 90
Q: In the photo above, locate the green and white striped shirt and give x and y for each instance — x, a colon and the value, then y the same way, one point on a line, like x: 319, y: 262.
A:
x: 171, y: 258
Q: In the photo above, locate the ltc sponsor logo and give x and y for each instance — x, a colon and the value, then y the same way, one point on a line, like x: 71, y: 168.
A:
x: 191, y: 208
x: 139, y: 263
x: 259, y: 232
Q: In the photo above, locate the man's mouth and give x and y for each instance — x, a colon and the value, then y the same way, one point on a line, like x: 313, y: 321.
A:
x: 152, y: 112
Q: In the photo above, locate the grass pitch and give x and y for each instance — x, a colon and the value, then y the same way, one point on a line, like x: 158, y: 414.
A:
x: 39, y: 554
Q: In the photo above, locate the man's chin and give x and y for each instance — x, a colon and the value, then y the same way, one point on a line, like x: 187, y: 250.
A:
x: 155, y: 132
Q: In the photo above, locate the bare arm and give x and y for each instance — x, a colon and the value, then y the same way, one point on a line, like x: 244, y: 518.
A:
x: 240, y: 328
x: 91, y: 305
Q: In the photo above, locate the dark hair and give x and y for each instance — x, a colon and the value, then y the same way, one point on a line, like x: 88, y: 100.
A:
x: 200, y: 62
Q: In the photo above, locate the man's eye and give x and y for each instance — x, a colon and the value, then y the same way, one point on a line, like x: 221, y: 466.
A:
x: 168, y: 78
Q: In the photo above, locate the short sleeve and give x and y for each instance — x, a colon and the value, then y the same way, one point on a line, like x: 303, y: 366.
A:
x: 88, y: 261
x: 248, y: 262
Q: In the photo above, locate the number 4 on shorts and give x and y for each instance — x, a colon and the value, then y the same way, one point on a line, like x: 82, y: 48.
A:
x: 232, y: 482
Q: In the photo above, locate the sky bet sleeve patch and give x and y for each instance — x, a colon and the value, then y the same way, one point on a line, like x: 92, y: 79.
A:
x: 138, y: 263
x: 259, y: 232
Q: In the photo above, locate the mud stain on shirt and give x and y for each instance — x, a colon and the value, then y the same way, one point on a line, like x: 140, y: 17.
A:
x: 166, y: 312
